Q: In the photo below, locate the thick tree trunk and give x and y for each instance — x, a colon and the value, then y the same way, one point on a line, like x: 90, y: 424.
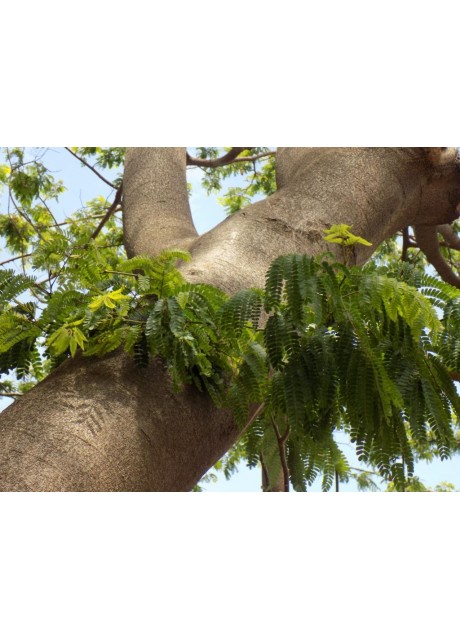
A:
x: 103, y: 425
x: 107, y: 425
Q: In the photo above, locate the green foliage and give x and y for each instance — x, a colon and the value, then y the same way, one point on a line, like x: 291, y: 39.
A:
x: 415, y: 485
x: 359, y: 349
x: 323, y: 349
x: 105, y: 157
x: 341, y: 348
x: 341, y: 234
x: 18, y: 329
x: 68, y: 266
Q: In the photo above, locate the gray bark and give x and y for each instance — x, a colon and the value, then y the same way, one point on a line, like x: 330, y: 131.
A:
x: 103, y: 425
x: 107, y: 425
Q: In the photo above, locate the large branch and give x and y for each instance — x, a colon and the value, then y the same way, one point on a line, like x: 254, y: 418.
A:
x: 156, y: 210
x: 427, y: 240
x: 375, y: 190
x: 105, y: 425
x: 449, y: 235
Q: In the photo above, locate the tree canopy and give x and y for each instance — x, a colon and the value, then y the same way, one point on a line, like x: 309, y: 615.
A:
x: 325, y: 347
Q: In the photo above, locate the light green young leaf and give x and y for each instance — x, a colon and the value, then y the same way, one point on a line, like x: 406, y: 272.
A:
x: 107, y: 299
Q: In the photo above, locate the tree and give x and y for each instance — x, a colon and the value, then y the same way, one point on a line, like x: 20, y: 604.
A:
x: 104, y: 423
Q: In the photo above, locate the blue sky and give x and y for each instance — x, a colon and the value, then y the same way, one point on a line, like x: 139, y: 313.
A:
x: 83, y: 185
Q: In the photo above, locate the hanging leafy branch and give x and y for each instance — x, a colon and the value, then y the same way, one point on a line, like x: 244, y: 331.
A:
x: 341, y: 348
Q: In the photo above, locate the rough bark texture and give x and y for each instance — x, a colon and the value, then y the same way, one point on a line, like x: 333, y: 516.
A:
x: 106, y: 425
x: 97, y: 425
x: 375, y: 190
x: 156, y: 211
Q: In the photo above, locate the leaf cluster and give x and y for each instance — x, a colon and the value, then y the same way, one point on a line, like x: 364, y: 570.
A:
x: 322, y: 348
x: 352, y: 349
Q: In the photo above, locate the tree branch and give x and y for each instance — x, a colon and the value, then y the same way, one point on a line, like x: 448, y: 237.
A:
x: 427, y: 240
x: 110, y: 211
x: 266, y: 154
x: 99, y: 175
x: 228, y: 158
x: 156, y: 205
x: 449, y: 235
x: 24, y: 216
x: 47, y: 208
x: 58, y: 224
x: 260, y: 409
x: 406, y: 244
x: 22, y: 257
x: 281, y: 439
x: 75, y: 221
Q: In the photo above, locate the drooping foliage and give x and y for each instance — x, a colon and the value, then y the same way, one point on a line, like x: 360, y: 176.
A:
x: 322, y: 348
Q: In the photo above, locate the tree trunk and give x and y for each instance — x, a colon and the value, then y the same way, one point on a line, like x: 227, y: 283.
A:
x: 104, y: 425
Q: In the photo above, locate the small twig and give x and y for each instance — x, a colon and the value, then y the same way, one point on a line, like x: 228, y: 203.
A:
x: 367, y: 471
x: 122, y: 273
x: 22, y: 257
x: 110, y: 211
x: 59, y: 224
x: 110, y: 246
x: 254, y: 417
x: 47, y: 208
x: 405, y: 245
x: 281, y: 439
x: 99, y: 175
x: 18, y: 210
x: 254, y: 159
x: 25, y: 216
x: 73, y: 221
x: 10, y: 395
x: 228, y: 158
x: 37, y: 285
